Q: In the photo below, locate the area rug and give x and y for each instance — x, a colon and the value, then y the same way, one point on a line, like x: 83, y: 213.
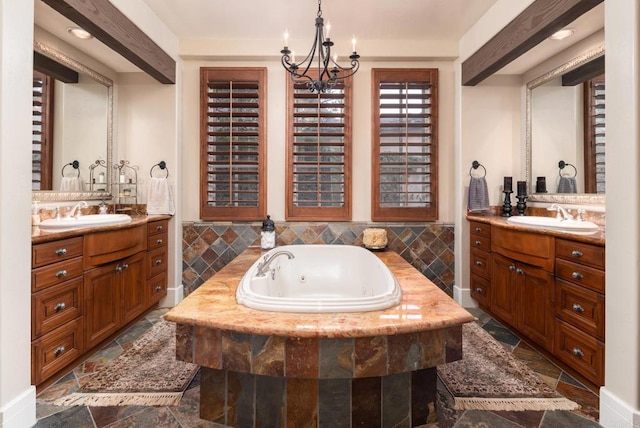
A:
x: 489, y: 378
x: 146, y: 374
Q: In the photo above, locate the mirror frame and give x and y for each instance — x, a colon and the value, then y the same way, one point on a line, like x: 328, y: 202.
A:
x: 52, y: 195
x: 561, y: 198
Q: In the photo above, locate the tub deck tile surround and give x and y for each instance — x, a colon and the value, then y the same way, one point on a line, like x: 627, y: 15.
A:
x: 285, y: 369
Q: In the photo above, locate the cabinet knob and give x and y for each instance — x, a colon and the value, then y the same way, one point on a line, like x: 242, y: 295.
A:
x: 59, y: 350
x: 478, y: 243
x: 118, y: 268
x: 478, y: 290
x: 577, y: 275
x: 478, y: 229
x: 158, y: 261
x: 125, y: 266
x: 59, y: 307
x: 512, y: 267
x: 577, y: 352
x: 159, y: 241
x: 158, y: 228
x: 478, y: 263
x: 61, y: 251
x: 576, y: 307
x: 519, y: 271
x: 576, y: 253
x: 61, y: 273
x: 158, y: 288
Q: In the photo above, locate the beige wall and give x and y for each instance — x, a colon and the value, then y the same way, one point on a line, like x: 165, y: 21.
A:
x: 276, y: 120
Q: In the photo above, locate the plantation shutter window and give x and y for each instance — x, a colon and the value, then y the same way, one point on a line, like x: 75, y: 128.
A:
x: 594, y: 100
x: 319, y: 153
x: 405, y: 173
x: 42, y: 132
x: 233, y: 144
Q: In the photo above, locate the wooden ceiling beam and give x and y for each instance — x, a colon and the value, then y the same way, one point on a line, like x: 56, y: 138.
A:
x: 537, y: 22
x: 106, y: 23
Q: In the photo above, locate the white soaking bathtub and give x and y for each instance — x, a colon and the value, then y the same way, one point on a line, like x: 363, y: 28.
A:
x: 319, y: 278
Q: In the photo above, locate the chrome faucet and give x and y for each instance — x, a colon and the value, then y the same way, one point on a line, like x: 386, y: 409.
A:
x: 72, y: 211
x: 561, y: 212
x: 263, y: 266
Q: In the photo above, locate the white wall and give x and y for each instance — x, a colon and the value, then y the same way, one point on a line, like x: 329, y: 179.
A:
x: 17, y: 396
x: 276, y: 122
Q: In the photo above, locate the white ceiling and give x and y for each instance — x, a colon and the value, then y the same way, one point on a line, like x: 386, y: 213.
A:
x: 445, y: 20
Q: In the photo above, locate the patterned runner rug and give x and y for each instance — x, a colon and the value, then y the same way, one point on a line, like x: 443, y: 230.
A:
x: 146, y: 374
x: 489, y: 378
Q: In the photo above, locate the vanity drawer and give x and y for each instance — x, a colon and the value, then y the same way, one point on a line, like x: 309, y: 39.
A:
x: 155, y: 227
x: 157, y: 288
x: 591, y: 255
x: 582, y: 352
x: 480, y: 229
x: 481, y: 263
x: 579, y: 274
x: 108, y: 246
x: 56, y: 273
x: 481, y: 242
x: 55, y: 306
x: 480, y: 288
x: 530, y: 248
x: 581, y: 308
x: 55, y: 350
x: 156, y: 261
x: 156, y: 241
x: 51, y: 252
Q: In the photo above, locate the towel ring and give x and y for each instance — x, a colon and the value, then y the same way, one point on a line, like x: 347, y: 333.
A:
x: 161, y: 165
x: 75, y: 164
x: 562, y: 164
x: 475, y: 165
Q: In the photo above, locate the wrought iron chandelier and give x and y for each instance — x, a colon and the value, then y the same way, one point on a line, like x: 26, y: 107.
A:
x: 329, y: 72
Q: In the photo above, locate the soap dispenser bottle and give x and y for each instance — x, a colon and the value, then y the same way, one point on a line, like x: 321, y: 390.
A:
x: 268, y: 234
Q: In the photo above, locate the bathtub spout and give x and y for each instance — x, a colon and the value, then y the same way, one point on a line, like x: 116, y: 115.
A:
x: 263, y: 267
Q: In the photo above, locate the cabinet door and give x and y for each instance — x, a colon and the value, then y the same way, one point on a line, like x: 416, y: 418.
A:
x: 133, y: 282
x: 535, y: 305
x: 502, y: 290
x: 102, y: 310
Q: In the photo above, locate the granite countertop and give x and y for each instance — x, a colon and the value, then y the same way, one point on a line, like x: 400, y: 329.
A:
x: 423, y: 307
x: 39, y: 235
x: 596, y: 238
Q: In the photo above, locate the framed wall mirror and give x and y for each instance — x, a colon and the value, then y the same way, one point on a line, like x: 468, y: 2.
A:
x: 558, y: 129
x: 79, y: 163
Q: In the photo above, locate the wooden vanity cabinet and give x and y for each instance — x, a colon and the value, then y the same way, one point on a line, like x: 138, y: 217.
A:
x: 551, y: 290
x: 86, y: 289
x: 522, y: 286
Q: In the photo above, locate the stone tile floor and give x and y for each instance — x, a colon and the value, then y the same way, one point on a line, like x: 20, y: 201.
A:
x: 185, y: 415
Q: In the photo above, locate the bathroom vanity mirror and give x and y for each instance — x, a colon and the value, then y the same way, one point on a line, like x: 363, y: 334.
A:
x: 82, y: 132
x: 554, y: 128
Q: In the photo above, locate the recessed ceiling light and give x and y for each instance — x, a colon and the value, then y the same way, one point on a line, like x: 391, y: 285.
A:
x: 79, y: 33
x: 562, y: 34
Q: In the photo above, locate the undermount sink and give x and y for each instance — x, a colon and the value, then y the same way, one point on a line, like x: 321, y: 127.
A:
x: 574, y: 226
x: 89, y: 220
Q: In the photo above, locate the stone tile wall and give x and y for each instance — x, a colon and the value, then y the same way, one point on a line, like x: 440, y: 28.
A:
x: 208, y: 247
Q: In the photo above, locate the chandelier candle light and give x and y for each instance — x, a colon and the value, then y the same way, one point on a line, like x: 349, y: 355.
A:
x: 329, y: 72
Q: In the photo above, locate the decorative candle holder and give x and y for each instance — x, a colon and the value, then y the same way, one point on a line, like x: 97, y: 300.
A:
x: 522, y: 204
x: 506, y: 206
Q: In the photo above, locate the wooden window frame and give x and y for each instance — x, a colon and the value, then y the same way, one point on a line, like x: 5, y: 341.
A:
x: 46, y: 135
x: 234, y: 212
x: 590, y: 167
x: 343, y: 213
x: 398, y: 75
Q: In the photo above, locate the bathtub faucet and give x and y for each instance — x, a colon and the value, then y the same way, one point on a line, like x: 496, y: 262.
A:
x: 263, y: 266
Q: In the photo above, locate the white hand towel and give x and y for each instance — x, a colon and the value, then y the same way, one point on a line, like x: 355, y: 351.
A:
x: 160, y: 199
x: 71, y: 184
x: 478, y: 195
